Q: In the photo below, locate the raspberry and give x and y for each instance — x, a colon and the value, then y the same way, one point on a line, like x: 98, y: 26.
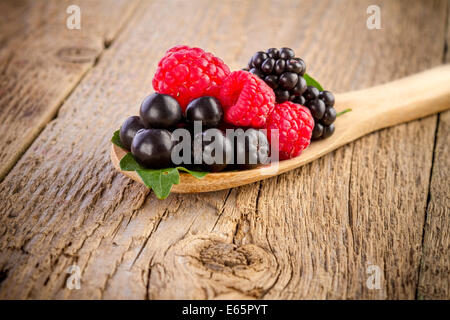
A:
x: 188, y: 73
x: 246, y: 99
x: 295, y: 124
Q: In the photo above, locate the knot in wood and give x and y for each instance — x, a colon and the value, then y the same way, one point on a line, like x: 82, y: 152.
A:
x: 77, y: 54
x: 217, y: 255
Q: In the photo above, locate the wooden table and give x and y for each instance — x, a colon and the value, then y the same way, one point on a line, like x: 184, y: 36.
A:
x: 312, y: 233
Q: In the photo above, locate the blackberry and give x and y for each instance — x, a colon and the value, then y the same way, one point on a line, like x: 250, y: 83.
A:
x: 317, y: 108
x: 300, y: 100
x: 282, y: 71
x: 328, y: 131
x: 321, y: 105
x: 311, y: 93
x: 329, y: 116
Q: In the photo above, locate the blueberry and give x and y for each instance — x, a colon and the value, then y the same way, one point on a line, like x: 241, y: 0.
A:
x: 205, y: 145
x: 129, y: 129
x: 160, y: 111
x: 317, y: 131
x: 329, y: 116
x: 317, y: 108
x: 288, y: 80
x: 258, y: 58
x: 287, y: 53
x: 205, y: 109
x: 251, y: 149
x: 300, y: 87
x: 152, y: 148
x: 268, y: 65
x: 311, y: 93
x: 280, y: 66
x: 327, y: 97
x: 328, y: 131
x: 257, y: 73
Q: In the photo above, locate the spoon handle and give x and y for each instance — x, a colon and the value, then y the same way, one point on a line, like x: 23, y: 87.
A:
x: 402, y: 100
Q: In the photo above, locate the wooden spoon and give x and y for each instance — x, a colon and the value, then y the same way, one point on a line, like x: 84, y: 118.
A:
x: 374, y: 108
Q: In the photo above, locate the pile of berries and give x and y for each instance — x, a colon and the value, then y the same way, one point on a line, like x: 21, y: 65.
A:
x: 150, y: 136
x: 193, y: 87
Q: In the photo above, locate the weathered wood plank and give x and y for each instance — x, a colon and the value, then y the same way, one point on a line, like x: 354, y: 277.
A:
x: 435, y: 266
x: 389, y: 183
x: 305, y: 234
x: 41, y: 61
x: 434, y: 278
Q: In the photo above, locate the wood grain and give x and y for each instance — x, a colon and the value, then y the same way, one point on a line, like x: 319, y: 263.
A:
x: 42, y: 61
x: 389, y: 181
x: 435, y: 266
x: 309, y: 233
x: 434, y: 273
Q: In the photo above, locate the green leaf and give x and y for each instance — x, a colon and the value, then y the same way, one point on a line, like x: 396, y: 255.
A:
x: 343, y: 111
x: 116, y: 139
x: 128, y: 163
x: 196, y: 174
x: 310, y: 81
x: 161, y: 181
